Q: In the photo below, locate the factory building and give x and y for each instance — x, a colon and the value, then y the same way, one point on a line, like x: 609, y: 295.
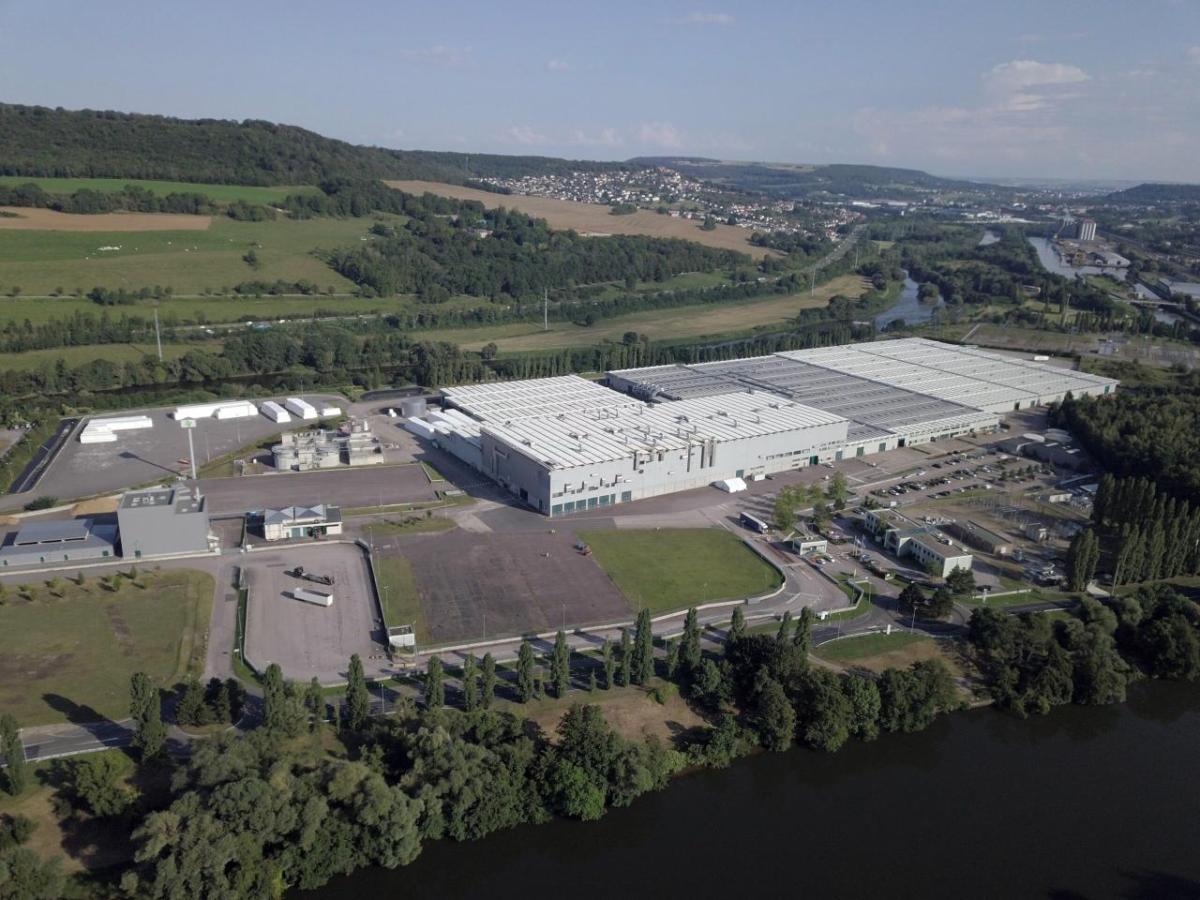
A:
x: 56, y: 543
x: 566, y: 444
x: 163, y: 522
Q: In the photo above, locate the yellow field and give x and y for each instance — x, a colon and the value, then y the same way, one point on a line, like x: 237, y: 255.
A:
x: 32, y: 219
x: 656, y: 324
x: 593, y: 218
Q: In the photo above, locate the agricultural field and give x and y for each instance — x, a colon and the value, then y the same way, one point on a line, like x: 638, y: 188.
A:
x: 656, y: 324
x: 67, y: 651
x: 219, y: 193
x: 40, y: 262
x: 673, y: 568
x: 31, y: 219
x: 594, y: 218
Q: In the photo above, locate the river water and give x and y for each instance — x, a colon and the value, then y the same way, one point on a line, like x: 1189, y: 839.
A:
x: 1083, y: 803
x: 908, y: 307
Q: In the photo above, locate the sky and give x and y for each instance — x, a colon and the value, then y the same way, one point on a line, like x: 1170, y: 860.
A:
x: 1106, y: 89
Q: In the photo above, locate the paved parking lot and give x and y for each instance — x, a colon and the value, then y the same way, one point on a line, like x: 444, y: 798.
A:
x: 361, y: 486
x: 305, y: 639
x: 139, y: 457
x: 506, y: 583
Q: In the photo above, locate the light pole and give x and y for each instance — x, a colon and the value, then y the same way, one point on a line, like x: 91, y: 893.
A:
x: 189, y: 425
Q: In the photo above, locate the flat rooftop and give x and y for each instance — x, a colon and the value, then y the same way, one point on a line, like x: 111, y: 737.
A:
x: 183, y: 501
x: 535, y: 397
x: 33, y: 533
x: 567, y: 440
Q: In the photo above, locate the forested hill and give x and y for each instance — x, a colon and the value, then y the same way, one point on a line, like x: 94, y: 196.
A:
x: 38, y: 141
x: 802, y: 181
x: 1156, y: 193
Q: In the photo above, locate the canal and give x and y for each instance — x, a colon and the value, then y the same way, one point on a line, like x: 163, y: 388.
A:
x: 908, y: 308
x: 1083, y: 803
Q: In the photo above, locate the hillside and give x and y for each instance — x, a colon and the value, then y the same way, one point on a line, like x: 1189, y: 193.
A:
x: 789, y: 181
x: 58, y: 143
x: 1155, y: 193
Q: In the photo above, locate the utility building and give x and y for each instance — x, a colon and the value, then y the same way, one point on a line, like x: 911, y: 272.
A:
x: 55, y: 543
x: 301, y: 522
x: 163, y: 522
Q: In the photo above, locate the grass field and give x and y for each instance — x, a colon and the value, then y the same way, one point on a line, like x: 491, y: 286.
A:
x: 594, y: 218
x: 117, y: 353
x: 40, y: 262
x: 26, y: 219
x: 401, y: 601
x: 656, y: 324
x: 898, y: 650
x: 220, y: 193
x: 672, y: 568
x: 67, y: 653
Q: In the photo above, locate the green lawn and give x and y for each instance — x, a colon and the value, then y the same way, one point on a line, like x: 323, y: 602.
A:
x: 85, y: 353
x: 672, y: 568
x: 190, y: 262
x: 867, y: 645
x: 219, y: 193
x: 71, y: 656
x: 412, y: 524
x: 401, y: 601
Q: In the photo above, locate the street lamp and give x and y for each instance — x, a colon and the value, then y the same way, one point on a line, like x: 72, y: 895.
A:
x: 189, y: 425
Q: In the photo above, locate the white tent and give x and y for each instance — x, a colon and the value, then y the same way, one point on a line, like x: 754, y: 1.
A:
x: 730, y: 485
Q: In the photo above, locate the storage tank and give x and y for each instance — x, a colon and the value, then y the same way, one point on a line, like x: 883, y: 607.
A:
x: 411, y: 407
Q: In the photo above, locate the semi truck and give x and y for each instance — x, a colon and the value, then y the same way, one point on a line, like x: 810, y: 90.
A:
x: 308, y: 595
x: 299, y: 572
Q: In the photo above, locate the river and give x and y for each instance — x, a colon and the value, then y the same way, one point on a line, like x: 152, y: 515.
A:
x: 1083, y: 803
x: 908, y: 307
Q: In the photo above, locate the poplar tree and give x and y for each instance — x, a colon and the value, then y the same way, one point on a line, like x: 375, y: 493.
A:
x: 525, y: 673
x: 470, y: 683
x: 625, y: 659
x: 643, y: 649
x: 146, y: 710
x: 689, y: 644
x: 785, y: 627
x: 16, y: 771
x: 487, y: 688
x: 737, y: 629
x: 435, y: 690
x: 560, y: 665
x: 358, y: 701
x: 609, y: 664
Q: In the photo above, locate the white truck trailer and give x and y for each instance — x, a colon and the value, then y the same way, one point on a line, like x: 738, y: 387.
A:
x: 308, y: 595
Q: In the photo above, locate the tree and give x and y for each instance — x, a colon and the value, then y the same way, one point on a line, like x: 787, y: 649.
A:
x: 912, y: 598
x: 487, y: 686
x: 470, y: 683
x: 358, y: 701
x: 820, y: 515
x: 783, y: 512
x: 737, y: 629
x: 672, y: 660
x: 525, y: 672
x: 624, y: 659
x: 16, y: 772
x: 838, y: 492
x: 192, y: 709
x: 690, y: 652
x: 642, y: 669
x: 216, y: 696
x: 940, y: 604
x: 237, y: 698
x: 98, y: 781
x: 314, y: 702
x: 609, y: 664
x: 785, y: 627
x: 803, y: 635
x: 560, y: 665
x: 435, y: 690
x: 774, y: 717
x: 961, y: 581
x: 145, y: 708
x: 274, y: 698
x: 1082, y: 557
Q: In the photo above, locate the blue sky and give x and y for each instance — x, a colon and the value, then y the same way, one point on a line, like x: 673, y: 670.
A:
x: 1055, y: 88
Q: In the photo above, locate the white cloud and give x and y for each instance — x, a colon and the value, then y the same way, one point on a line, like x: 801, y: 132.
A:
x: 439, y: 54
x: 558, y: 65
x: 606, y: 137
x: 1193, y: 54
x: 1031, y: 38
x: 522, y: 134
x: 1026, y: 73
x: 660, y: 134
x: 704, y: 18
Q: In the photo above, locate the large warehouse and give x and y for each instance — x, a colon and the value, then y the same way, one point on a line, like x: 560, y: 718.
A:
x: 565, y: 444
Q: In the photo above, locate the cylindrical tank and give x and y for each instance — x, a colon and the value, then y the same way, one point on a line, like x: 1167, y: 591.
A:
x: 412, y: 406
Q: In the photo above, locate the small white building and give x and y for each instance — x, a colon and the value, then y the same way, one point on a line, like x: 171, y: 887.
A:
x: 218, y: 409
x: 98, y: 431
x: 302, y: 522
x: 301, y: 408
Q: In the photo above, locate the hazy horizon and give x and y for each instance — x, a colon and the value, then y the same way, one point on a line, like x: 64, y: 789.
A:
x: 1073, y: 91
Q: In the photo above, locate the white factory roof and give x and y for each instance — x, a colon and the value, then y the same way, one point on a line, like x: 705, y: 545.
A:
x: 566, y: 440
x: 512, y: 400
x: 963, y: 375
